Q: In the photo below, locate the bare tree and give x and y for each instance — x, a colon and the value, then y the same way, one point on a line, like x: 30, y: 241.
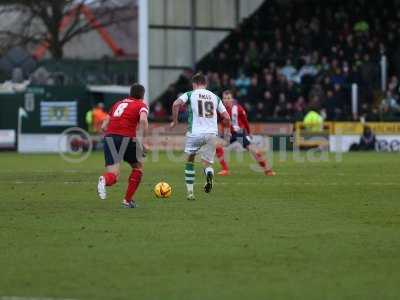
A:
x: 54, y: 23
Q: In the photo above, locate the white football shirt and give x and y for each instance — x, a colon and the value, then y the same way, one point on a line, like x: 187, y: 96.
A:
x: 202, y: 106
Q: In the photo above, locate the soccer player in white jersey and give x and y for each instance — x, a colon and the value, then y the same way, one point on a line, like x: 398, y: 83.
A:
x: 203, y: 107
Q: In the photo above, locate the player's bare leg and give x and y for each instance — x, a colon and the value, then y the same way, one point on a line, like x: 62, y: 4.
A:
x: 189, y: 176
x: 133, y: 183
x: 263, y: 163
x: 109, y: 178
x: 224, y: 166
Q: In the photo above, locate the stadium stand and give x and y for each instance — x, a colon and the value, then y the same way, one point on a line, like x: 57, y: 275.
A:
x: 288, y: 57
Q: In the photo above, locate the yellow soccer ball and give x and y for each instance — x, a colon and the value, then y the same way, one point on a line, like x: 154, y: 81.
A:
x: 162, y: 190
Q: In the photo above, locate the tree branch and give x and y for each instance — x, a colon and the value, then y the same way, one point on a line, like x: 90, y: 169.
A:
x: 46, y: 20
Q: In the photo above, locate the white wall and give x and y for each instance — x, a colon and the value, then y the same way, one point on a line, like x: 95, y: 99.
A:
x: 169, y: 12
x: 206, y: 41
x: 216, y: 13
x: 169, y: 47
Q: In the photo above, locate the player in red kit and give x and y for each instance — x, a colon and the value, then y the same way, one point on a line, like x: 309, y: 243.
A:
x: 240, y: 131
x: 120, y: 143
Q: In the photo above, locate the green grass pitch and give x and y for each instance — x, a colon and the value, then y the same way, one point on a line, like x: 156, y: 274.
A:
x: 327, y: 230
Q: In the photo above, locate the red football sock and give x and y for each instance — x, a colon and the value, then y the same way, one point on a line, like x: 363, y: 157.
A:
x: 111, y: 178
x: 134, y: 181
x: 262, y: 164
x: 220, y: 156
x: 261, y: 161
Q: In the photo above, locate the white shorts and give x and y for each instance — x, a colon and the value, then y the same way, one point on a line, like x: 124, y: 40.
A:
x: 204, y: 144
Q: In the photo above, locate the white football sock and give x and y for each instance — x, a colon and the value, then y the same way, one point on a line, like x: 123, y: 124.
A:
x: 209, y: 169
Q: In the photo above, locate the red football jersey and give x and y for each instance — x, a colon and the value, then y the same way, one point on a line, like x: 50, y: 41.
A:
x: 238, y: 119
x: 125, y: 116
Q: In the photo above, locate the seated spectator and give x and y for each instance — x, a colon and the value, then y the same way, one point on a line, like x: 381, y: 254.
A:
x: 269, y: 83
x: 252, y: 54
x: 324, y: 65
x: 368, y: 70
x: 326, y: 83
x: 389, y: 106
x: 307, y: 69
x: 337, y: 77
x: 281, y: 84
x: 339, y: 98
x: 222, y: 63
x: 226, y: 83
x: 250, y: 110
x: 214, y: 83
x: 265, y: 52
x: 255, y: 92
x: 289, y: 111
x: 288, y: 70
x: 331, y: 106
x: 292, y: 91
x: 393, y: 85
x: 361, y: 26
x: 242, y: 84
x: 368, y: 114
x: 281, y: 109
x: 299, y: 107
x: 260, y: 112
x: 268, y: 102
x: 367, y: 141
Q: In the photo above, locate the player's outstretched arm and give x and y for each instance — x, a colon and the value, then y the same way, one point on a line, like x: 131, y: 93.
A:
x: 175, y: 111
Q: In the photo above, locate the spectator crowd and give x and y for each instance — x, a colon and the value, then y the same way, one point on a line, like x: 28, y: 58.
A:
x: 291, y: 57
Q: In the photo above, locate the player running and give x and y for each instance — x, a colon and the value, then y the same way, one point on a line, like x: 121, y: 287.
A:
x: 240, y: 130
x: 120, y: 143
x: 202, y: 106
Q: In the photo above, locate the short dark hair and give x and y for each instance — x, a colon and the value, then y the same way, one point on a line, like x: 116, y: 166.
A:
x: 227, y: 92
x: 137, y: 91
x: 199, y: 78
